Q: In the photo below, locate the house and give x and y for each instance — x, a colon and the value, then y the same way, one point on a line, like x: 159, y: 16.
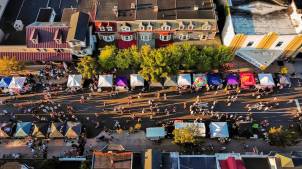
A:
x: 253, y: 30
x: 154, y: 22
x: 109, y: 160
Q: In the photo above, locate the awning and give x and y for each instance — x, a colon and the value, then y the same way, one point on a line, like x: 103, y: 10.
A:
x: 232, y: 79
x: 199, y: 129
x: 23, y: 129
x: 5, y: 81
x: 5, y: 130
x: 155, y: 133
x: 184, y: 80
x: 214, y: 79
x: 73, y: 130
x: 260, y: 58
x: 40, y: 130
x: 247, y: 79
x: 199, y: 80
x: 136, y: 80
x: 74, y: 81
x: 171, y: 81
x: 105, y: 81
x: 17, y: 83
x: 121, y: 81
x: 219, y: 130
x: 231, y: 163
x: 266, y: 79
x: 57, y: 130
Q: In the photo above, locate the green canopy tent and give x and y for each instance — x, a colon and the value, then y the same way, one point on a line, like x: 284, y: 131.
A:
x: 57, y: 130
x: 73, y: 130
x: 40, y: 130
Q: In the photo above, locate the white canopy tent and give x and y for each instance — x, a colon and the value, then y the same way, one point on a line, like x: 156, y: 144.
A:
x: 199, y: 129
x: 136, y: 80
x: 266, y: 79
x: 74, y: 81
x: 171, y: 81
x: 219, y: 130
x: 105, y: 81
x: 17, y: 83
x: 284, y: 80
x: 184, y: 80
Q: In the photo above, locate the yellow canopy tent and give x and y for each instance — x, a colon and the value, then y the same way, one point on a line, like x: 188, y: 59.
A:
x: 57, y: 130
x: 285, y: 161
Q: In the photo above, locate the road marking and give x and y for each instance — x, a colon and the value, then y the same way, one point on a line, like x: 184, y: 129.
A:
x: 260, y: 112
x: 298, y: 105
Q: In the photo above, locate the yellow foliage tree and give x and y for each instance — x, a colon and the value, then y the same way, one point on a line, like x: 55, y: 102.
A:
x: 9, y: 65
x: 184, y: 136
x: 280, y: 136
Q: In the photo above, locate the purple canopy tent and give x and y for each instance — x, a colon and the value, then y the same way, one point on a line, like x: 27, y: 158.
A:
x: 232, y: 80
x: 121, y: 81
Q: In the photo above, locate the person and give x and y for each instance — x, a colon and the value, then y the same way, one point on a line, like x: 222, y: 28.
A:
x: 165, y: 96
x: 185, y: 105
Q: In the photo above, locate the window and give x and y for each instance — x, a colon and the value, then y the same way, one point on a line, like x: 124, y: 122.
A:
x: 191, y: 27
x: 102, y: 28
x: 109, y: 28
x: 108, y: 38
x: 203, y: 37
x: 181, y: 26
x: 127, y: 38
x: 146, y: 37
x: 279, y: 44
x: 165, y: 37
x: 183, y: 37
x: 166, y: 27
x: 141, y: 27
x: 206, y: 26
x: 125, y: 28
x: 149, y: 27
x: 249, y: 44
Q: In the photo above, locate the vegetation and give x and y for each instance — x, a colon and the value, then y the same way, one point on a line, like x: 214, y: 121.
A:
x: 87, y: 67
x: 184, y: 136
x: 10, y: 65
x: 280, y: 136
x: 85, y: 165
x: 107, y: 57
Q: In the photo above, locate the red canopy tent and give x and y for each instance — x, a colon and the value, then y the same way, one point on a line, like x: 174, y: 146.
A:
x: 231, y: 163
x: 247, y: 79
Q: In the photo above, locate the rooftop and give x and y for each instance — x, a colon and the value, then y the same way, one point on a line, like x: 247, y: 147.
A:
x: 260, y: 17
x: 112, y: 160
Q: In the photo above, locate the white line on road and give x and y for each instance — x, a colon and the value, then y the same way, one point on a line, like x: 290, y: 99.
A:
x: 298, y: 105
x: 260, y: 112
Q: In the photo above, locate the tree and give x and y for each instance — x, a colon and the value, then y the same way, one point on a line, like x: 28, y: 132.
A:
x: 107, y: 58
x: 127, y: 58
x: 190, y: 55
x: 10, y: 65
x: 85, y: 165
x: 280, y: 136
x: 203, y: 62
x: 219, y: 56
x: 87, y: 67
x: 184, y: 136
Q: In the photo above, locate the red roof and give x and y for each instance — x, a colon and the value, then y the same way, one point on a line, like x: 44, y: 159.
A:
x: 125, y: 44
x: 38, y: 56
x: 98, y: 24
x: 231, y: 163
x: 247, y: 79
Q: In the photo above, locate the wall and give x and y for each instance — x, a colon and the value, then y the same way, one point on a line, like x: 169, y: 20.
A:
x: 228, y: 31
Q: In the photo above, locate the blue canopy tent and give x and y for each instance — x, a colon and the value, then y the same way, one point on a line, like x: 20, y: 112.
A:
x: 219, y: 130
x: 5, y: 81
x: 23, y: 129
x: 155, y: 133
x: 214, y: 79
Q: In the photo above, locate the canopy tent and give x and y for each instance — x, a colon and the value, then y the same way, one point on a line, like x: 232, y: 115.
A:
x: 6, y: 130
x: 121, y: 81
x: 247, y: 80
x: 105, y: 81
x: 219, y: 130
x: 266, y: 79
x: 156, y: 84
x: 232, y: 79
x: 136, y: 80
x: 171, y: 81
x: 155, y: 133
x: 184, y: 80
x: 23, y: 129
x: 199, y: 129
x: 284, y: 80
x: 57, y: 130
x: 73, y: 130
x: 199, y: 80
x: 40, y: 130
x: 214, y: 79
x: 17, y: 83
x: 285, y: 161
x: 74, y: 81
x: 231, y: 163
x: 5, y: 81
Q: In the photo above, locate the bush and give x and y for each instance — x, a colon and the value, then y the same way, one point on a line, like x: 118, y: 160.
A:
x: 280, y: 136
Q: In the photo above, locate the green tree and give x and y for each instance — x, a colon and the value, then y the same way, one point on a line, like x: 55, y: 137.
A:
x: 203, y: 62
x: 219, y: 56
x: 85, y: 165
x: 9, y: 65
x: 184, y: 136
x: 280, y: 136
x: 107, y: 57
x: 127, y: 58
x: 190, y: 56
x: 87, y: 67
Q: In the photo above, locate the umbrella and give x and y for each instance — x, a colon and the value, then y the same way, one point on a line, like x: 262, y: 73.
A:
x: 5, y: 81
x: 121, y: 81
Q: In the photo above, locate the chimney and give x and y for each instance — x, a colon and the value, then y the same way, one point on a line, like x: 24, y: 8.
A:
x: 115, y: 10
x: 155, y: 8
x: 132, y: 6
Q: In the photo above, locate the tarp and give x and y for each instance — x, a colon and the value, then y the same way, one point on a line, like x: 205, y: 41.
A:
x: 199, y: 129
x: 5, y: 81
x: 136, y: 80
x: 17, y: 83
x: 184, y: 80
x: 155, y: 133
x: 73, y: 130
x: 5, y: 130
x: 74, y: 81
x: 199, y: 80
x: 285, y: 161
x: 284, y: 80
x: 247, y: 79
x: 232, y: 79
x: 40, y: 130
x: 231, y: 163
x: 266, y: 79
x: 57, y: 130
x: 105, y: 81
x: 214, y: 79
x: 23, y: 129
x: 219, y: 130
x: 121, y: 81
x: 171, y: 81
